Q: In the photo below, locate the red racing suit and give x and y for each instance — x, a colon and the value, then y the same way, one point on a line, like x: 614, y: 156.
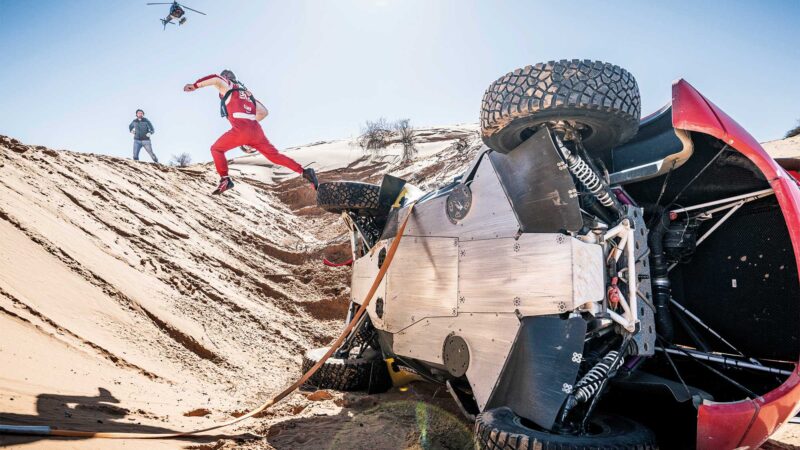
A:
x: 243, y: 114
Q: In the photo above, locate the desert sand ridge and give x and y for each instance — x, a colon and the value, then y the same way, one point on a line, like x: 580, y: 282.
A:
x: 131, y: 300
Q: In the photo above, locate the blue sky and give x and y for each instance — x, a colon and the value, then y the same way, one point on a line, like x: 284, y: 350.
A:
x: 74, y: 72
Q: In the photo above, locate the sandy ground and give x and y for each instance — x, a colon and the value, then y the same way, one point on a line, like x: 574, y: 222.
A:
x: 783, y: 148
x: 130, y: 300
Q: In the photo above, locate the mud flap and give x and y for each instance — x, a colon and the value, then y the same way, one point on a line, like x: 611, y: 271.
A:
x: 391, y: 187
x: 541, y: 369
x: 539, y: 186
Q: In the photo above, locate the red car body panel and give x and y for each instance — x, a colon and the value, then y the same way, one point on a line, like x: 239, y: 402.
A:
x: 747, y: 423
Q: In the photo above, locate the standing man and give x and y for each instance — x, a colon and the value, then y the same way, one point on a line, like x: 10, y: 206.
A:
x: 141, y: 129
x: 244, y: 112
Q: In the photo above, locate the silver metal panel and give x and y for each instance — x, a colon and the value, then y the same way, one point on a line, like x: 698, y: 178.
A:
x: 588, y: 278
x: 488, y: 336
x: 533, y: 274
x: 422, y: 281
x: 365, y: 269
x: 490, y: 216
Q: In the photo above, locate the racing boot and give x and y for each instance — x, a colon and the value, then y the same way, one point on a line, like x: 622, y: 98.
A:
x: 225, y: 183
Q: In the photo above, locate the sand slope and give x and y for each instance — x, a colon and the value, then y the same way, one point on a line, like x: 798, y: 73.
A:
x: 130, y: 298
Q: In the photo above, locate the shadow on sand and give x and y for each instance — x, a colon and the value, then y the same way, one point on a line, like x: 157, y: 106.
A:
x: 89, y: 413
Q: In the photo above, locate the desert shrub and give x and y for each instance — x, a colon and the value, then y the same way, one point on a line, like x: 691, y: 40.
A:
x: 375, y: 135
x: 407, y: 136
x: 794, y: 131
x: 182, y: 160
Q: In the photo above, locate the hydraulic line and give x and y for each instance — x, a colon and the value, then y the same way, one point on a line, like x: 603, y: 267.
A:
x: 49, y: 431
x: 703, y: 324
x: 699, y: 361
x: 726, y: 361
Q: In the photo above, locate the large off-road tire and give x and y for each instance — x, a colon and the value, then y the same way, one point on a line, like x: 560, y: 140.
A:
x: 338, y: 196
x: 602, y: 97
x: 501, y: 429
x: 346, y: 374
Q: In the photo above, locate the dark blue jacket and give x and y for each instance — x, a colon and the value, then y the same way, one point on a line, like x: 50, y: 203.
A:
x: 140, y: 128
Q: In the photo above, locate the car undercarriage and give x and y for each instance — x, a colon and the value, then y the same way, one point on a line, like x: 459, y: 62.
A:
x: 590, y: 273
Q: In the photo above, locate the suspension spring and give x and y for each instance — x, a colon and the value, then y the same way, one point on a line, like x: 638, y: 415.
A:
x: 591, y: 382
x: 586, y: 175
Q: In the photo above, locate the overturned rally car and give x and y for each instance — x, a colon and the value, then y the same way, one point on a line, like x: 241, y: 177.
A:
x: 589, y: 275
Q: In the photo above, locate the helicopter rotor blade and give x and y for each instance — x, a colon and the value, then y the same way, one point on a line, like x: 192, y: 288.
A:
x: 190, y: 9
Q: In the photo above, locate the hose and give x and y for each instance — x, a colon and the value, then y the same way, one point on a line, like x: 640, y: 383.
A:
x: 49, y: 431
x: 659, y: 272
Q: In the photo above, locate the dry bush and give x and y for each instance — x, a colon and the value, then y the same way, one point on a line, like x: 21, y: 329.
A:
x: 794, y: 131
x: 375, y: 135
x: 182, y: 160
x: 407, y: 136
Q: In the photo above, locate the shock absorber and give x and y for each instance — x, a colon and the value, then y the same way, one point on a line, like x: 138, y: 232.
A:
x: 591, y: 382
x: 587, y: 176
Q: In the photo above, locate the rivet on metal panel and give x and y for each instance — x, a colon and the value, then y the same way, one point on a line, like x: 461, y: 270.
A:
x: 461, y: 299
x: 455, y: 311
x: 572, y: 193
x: 562, y: 306
x: 455, y: 242
x: 560, y: 239
x: 517, y: 301
x: 566, y: 388
x: 462, y: 253
x: 577, y: 357
x: 516, y: 246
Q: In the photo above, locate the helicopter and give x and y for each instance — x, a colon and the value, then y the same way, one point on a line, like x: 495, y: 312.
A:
x: 176, y: 12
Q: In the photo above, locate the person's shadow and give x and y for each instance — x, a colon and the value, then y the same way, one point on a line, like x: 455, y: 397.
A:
x: 89, y: 413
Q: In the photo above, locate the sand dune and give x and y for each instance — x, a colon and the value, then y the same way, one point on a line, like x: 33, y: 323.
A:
x: 131, y: 300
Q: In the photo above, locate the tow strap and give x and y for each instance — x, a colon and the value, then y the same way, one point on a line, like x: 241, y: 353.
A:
x: 49, y: 431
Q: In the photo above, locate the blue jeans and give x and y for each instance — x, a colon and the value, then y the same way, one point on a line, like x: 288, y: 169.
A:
x: 137, y: 146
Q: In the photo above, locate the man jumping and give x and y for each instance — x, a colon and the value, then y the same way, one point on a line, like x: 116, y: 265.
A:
x: 243, y: 112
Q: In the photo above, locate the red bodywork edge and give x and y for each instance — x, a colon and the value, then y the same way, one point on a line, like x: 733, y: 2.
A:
x: 747, y: 423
